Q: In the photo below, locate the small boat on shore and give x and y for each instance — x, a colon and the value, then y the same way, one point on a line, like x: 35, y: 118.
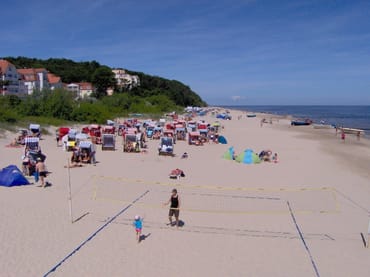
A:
x: 301, y: 122
x: 251, y: 115
x: 352, y: 131
x: 323, y: 126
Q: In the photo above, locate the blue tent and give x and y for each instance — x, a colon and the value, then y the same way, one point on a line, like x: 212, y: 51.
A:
x: 222, y: 140
x: 220, y: 116
x: 223, y: 116
x: 229, y: 154
x: 11, y: 176
x: 248, y: 157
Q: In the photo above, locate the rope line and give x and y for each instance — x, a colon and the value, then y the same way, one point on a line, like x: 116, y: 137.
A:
x: 213, y: 187
x: 236, y: 212
x: 94, y: 234
x: 303, y: 240
x: 353, y: 202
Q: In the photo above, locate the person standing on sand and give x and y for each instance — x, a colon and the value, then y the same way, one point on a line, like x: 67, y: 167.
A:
x: 41, y: 171
x: 343, y: 136
x: 138, y: 223
x: 92, y: 154
x: 174, y: 207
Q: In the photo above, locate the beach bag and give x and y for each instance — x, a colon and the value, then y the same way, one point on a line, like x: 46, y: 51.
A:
x: 36, y: 175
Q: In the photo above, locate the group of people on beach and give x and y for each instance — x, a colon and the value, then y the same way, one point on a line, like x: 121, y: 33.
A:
x: 33, y: 164
x: 267, y: 156
x: 80, y: 156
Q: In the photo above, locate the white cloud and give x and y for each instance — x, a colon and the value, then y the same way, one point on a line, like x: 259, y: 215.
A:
x: 236, y: 98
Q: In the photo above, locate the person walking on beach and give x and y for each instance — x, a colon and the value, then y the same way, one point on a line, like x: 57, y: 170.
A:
x: 174, y: 207
x: 41, y: 171
x: 92, y: 154
x: 138, y: 223
x: 343, y: 136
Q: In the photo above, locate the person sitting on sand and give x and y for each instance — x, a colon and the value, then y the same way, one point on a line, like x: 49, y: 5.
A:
x: 75, y: 159
x: 177, y: 173
x: 14, y: 143
x: 156, y: 135
x: 265, y: 155
x: 184, y: 156
x: 85, y: 158
x: 129, y: 146
x: 275, y: 158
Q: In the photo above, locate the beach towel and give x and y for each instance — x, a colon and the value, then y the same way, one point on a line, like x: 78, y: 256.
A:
x: 14, y: 146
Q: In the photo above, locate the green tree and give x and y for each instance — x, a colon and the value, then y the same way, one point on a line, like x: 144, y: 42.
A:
x: 71, y: 71
x: 91, y: 112
x: 59, y: 104
x: 102, y: 79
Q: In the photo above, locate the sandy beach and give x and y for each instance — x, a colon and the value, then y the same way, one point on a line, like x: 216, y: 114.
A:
x: 302, y: 216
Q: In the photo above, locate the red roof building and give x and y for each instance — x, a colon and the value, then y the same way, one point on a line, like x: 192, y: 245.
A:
x: 34, y: 78
x: 9, y: 77
x: 54, y: 81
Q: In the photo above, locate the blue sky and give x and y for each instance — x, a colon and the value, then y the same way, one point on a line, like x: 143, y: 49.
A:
x: 252, y: 52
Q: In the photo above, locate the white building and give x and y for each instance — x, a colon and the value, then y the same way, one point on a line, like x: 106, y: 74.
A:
x: 34, y: 79
x: 72, y: 87
x: 125, y: 80
x: 81, y: 90
x: 10, y: 83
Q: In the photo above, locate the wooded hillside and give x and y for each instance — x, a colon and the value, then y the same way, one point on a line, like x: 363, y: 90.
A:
x: 71, y: 71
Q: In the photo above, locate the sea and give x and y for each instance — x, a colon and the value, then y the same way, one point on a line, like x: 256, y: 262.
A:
x: 342, y: 116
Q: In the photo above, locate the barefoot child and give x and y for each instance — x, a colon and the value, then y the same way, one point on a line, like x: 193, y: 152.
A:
x: 138, y: 223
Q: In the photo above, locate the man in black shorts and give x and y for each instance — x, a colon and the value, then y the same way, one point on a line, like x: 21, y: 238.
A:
x: 41, y: 170
x: 174, y: 207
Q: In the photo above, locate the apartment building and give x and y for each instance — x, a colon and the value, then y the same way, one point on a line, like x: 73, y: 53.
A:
x: 10, y: 80
x: 125, y: 80
x: 34, y: 79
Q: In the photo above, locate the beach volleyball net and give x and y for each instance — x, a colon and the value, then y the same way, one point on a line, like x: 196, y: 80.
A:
x: 216, y: 199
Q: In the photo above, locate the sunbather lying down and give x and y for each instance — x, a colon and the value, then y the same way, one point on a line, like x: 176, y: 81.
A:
x: 73, y: 165
x: 176, y: 173
x: 14, y: 143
